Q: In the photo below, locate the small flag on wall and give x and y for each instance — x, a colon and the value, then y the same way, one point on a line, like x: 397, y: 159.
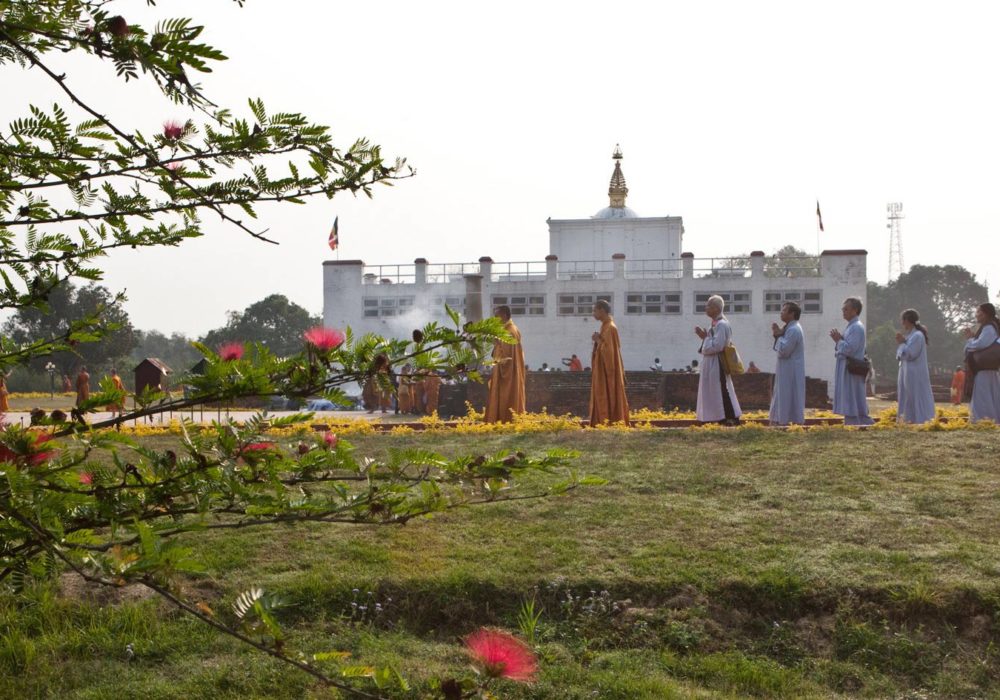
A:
x: 819, y: 216
x: 334, y: 235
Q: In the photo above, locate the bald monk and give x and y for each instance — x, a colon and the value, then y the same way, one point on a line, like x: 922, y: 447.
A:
x: 82, y: 386
x: 608, y: 403
x: 432, y: 389
x: 507, y: 395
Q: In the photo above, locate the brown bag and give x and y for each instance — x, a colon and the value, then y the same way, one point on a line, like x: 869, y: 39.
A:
x: 985, y: 359
x: 732, y: 363
x: 859, y: 368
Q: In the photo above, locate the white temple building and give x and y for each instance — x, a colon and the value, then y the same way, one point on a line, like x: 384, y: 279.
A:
x: 638, y: 264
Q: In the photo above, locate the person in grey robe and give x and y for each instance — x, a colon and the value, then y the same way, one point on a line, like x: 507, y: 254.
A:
x: 849, y: 398
x: 788, y: 398
x: 913, y: 387
x: 985, y: 403
x: 717, y: 402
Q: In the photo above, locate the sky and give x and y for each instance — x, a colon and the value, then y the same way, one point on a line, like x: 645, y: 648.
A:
x: 736, y: 116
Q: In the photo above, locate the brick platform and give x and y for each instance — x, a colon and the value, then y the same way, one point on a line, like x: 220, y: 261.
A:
x: 569, y: 392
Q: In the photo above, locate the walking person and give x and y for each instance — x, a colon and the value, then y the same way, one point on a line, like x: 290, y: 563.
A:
x: 985, y: 403
x: 82, y: 386
x: 849, y: 395
x: 788, y: 399
x: 717, y: 402
x: 506, y: 397
x: 958, y: 385
x: 913, y: 387
x: 608, y: 402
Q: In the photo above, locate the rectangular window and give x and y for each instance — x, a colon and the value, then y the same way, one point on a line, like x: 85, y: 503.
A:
x: 383, y: 307
x: 653, y: 303
x: 810, y: 301
x: 521, y: 304
x: 581, y: 304
x: 736, y: 302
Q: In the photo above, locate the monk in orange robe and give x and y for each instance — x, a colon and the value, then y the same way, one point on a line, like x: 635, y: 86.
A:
x: 507, y: 395
x: 82, y: 386
x: 4, y: 393
x: 404, y: 394
x: 432, y: 390
x: 608, y: 403
x: 117, y: 381
x: 958, y: 385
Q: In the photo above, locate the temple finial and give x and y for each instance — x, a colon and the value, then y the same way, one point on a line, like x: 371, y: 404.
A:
x: 617, y: 192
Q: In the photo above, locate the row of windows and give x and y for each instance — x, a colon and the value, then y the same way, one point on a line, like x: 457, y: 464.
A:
x: 385, y: 307
x: 645, y: 303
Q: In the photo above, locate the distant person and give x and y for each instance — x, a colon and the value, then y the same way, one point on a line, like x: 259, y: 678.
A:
x: 545, y: 367
x: 432, y: 391
x: 752, y: 368
x: 67, y: 384
x: 573, y: 363
x: 608, y: 402
x: 958, y: 385
x: 656, y: 366
x: 717, y: 402
x: 373, y: 395
x: 985, y: 403
x: 694, y: 367
x: 788, y: 399
x: 82, y: 386
x: 119, y: 406
x: 849, y: 396
x: 913, y: 386
x: 4, y: 393
x: 404, y: 394
x: 506, y: 388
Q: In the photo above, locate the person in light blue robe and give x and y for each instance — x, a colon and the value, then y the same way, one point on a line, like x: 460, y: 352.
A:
x: 849, y: 397
x: 913, y: 388
x: 985, y: 403
x: 788, y: 398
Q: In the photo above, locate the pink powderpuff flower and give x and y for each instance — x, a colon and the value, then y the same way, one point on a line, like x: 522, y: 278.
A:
x: 330, y: 440
x: 86, y: 478
x: 172, y: 130
x: 324, y: 339
x: 174, y: 168
x: 231, y: 351
x: 502, y: 655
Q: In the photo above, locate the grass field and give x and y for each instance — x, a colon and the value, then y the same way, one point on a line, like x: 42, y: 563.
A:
x: 716, y: 564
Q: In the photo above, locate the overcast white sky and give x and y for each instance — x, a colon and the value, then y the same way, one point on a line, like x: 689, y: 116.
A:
x: 734, y: 115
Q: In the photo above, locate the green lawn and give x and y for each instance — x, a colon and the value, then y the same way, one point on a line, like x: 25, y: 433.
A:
x: 715, y: 564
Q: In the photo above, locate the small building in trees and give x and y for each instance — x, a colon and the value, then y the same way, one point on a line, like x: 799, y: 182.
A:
x: 151, y: 373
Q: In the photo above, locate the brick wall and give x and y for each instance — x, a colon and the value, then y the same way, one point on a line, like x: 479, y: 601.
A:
x: 569, y: 392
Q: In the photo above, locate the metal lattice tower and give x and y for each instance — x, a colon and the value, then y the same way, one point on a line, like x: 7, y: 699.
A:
x: 894, y: 213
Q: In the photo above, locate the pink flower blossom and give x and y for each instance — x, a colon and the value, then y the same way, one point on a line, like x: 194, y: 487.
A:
x: 231, y: 351
x: 502, y: 655
x: 172, y: 129
x: 330, y: 440
x: 258, y: 446
x: 174, y: 168
x: 86, y: 478
x: 324, y: 339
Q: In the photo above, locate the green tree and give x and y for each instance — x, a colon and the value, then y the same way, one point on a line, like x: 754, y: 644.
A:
x: 74, y: 184
x: 273, y: 321
x: 69, y: 304
x: 945, y: 296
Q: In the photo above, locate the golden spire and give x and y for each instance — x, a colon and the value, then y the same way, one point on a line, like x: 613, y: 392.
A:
x: 617, y: 192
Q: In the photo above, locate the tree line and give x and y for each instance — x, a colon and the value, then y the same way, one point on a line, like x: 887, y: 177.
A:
x: 274, y: 321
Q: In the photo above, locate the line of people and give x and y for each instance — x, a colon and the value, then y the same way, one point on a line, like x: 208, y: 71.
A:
x: 717, y: 401
x: 416, y: 391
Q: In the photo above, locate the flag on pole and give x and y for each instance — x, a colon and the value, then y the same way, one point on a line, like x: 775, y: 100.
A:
x: 819, y: 216
x: 334, y: 235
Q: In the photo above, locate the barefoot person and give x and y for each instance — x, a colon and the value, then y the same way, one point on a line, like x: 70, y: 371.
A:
x: 608, y: 403
x: 913, y: 387
x: 788, y: 400
x: 717, y: 402
x: 507, y: 395
x: 849, y: 395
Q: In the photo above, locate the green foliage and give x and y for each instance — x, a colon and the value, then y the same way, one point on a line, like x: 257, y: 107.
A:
x: 274, y: 322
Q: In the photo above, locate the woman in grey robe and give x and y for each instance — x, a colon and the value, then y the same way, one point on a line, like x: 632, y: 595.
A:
x: 788, y: 399
x: 986, y: 383
x: 849, y: 396
x: 913, y: 387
